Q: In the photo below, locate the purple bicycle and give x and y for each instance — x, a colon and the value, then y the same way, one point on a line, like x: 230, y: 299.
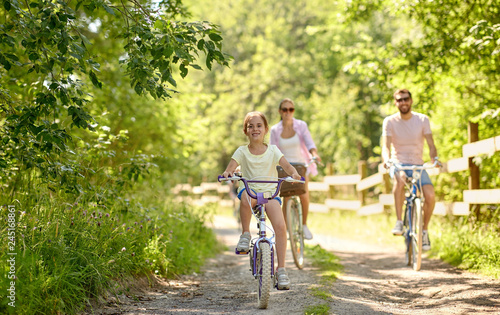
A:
x: 262, y: 248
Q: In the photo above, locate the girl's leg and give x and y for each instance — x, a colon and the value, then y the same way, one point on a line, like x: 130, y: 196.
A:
x: 275, y: 214
x: 246, y: 212
x: 284, y: 200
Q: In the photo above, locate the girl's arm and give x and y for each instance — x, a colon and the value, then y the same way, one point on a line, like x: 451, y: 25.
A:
x: 288, y: 168
x: 231, y: 167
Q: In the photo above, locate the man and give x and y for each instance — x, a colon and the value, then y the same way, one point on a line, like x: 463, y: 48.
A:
x: 406, y: 132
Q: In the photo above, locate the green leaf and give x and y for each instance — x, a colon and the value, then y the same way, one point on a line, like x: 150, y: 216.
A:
x: 6, y: 5
x: 108, y: 9
x: 215, y: 37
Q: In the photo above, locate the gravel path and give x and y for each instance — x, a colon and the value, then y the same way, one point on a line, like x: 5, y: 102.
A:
x: 374, y: 281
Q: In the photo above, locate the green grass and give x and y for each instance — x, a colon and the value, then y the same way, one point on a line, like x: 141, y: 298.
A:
x: 374, y: 229
x: 474, y: 249
x: 68, y: 254
x: 329, y: 269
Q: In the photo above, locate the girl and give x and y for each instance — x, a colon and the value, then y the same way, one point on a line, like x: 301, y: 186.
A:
x: 260, y: 159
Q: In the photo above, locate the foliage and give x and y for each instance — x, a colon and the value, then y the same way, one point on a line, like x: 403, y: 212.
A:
x: 48, y: 60
x: 471, y: 248
x: 84, y: 177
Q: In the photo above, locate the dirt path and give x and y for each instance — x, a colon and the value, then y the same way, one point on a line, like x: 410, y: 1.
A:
x: 375, y: 281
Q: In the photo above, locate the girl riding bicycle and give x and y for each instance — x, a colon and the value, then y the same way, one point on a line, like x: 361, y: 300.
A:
x: 258, y: 159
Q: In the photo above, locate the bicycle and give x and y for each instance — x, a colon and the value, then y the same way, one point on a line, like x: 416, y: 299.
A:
x: 293, y: 213
x: 262, y: 248
x: 413, y: 212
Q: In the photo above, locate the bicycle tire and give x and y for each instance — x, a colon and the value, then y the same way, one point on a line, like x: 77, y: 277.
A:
x: 295, y: 231
x: 264, y: 273
x: 417, y: 227
x: 407, y: 236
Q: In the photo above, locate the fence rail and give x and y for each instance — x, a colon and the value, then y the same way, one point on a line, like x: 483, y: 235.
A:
x: 216, y: 192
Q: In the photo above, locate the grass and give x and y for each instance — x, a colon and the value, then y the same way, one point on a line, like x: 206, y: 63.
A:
x: 69, y: 254
x: 475, y: 249
x: 329, y: 270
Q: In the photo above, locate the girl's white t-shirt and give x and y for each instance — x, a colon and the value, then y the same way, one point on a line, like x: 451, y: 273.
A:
x: 291, y: 149
x: 259, y: 167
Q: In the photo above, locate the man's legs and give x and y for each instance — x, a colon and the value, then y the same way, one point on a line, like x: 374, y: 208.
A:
x: 430, y: 202
x: 398, y: 190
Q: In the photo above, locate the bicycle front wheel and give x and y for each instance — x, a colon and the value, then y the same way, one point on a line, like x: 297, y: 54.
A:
x: 264, y: 273
x: 295, y: 231
x: 416, y: 233
x: 407, y: 235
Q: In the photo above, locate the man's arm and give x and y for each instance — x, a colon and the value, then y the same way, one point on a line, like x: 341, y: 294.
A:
x: 432, y: 147
x: 386, y: 149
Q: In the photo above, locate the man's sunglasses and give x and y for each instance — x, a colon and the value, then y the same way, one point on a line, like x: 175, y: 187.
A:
x: 403, y: 99
x: 291, y: 110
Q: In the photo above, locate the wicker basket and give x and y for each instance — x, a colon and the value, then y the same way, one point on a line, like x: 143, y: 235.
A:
x: 289, y: 189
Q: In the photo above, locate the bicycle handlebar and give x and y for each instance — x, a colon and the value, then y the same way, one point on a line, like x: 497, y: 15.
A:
x: 391, y: 163
x: 254, y: 195
x: 314, y: 160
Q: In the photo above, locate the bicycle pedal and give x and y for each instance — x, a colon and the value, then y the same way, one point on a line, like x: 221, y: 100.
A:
x: 240, y: 253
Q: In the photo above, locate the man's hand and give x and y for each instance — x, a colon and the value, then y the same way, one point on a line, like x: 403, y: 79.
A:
x: 436, y: 160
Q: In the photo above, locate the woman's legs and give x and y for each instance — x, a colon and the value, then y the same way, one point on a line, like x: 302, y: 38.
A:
x: 304, y: 200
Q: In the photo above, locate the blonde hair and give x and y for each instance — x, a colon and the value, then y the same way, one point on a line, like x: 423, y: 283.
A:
x: 251, y: 115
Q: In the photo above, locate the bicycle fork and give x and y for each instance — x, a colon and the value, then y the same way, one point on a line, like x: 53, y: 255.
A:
x: 255, y: 246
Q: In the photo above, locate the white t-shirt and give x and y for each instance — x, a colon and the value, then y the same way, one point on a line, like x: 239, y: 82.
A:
x: 291, y: 149
x: 263, y: 166
x: 407, y: 136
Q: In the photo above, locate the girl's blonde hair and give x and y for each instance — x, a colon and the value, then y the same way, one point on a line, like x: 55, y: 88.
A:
x: 254, y: 114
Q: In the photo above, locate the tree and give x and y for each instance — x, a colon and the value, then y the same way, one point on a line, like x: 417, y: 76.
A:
x: 52, y: 55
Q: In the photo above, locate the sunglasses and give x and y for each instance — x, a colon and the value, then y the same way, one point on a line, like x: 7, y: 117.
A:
x: 403, y: 99
x: 291, y: 110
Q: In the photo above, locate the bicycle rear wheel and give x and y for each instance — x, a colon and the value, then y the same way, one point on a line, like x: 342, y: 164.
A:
x: 416, y: 233
x: 264, y: 273
x: 295, y: 231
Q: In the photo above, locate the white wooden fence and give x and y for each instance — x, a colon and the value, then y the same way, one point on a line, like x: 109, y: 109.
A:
x: 217, y: 192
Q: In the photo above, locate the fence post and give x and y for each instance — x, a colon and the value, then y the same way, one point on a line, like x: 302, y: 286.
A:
x: 362, y: 172
x: 474, y: 183
x: 331, y: 190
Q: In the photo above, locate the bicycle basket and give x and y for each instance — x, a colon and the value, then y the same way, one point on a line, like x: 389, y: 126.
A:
x: 289, y: 189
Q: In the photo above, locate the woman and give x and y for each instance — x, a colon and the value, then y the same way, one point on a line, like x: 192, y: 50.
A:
x: 293, y: 138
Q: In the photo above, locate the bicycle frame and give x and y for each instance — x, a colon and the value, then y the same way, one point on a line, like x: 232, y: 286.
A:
x: 413, y: 218
x: 262, y: 249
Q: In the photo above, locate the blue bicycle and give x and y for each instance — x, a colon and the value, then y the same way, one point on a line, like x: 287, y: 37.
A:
x: 413, y: 212
x: 262, y: 248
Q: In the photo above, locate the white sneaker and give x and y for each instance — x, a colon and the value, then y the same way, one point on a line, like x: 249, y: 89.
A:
x: 307, y: 234
x: 426, y: 242
x: 398, y: 229
x: 283, y: 282
x: 244, y: 242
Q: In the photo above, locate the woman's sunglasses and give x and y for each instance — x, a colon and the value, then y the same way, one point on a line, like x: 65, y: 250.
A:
x: 291, y: 110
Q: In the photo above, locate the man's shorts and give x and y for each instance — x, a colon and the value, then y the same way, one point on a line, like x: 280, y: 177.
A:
x: 242, y: 190
x: 425, y: 179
